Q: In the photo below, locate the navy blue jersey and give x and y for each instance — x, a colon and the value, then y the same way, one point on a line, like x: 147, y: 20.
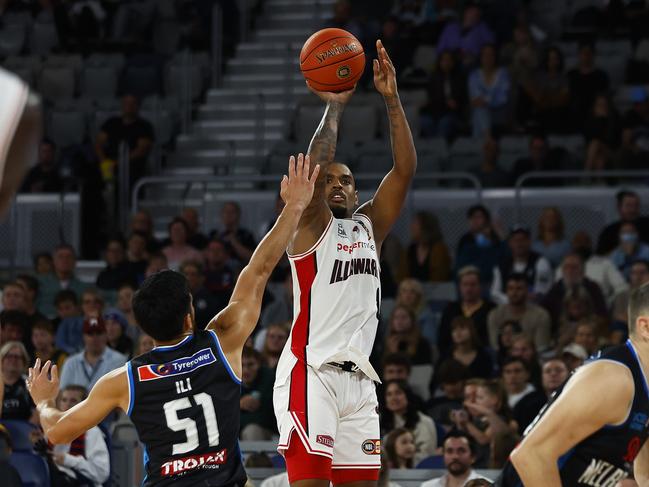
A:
x: 184, y: 402
x: 607, y: 455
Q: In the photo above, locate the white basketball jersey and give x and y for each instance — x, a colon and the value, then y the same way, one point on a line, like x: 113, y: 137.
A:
x: 336, y: 298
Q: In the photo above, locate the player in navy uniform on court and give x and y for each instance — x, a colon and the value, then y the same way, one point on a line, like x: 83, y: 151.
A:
x: 183, y: 396
x: 594, y: 428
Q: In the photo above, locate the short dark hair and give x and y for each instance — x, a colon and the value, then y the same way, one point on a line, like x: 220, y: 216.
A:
x: 451, y: 371
x: 517, y: 277
x: 76, y: 388
x: 643, y: 262
x: 586, y: 42
x: 456, y: 433
x: 30, y: 281
x: 511, y: 360
x: 175, y: 220
x: 478, y: 209
x: 161, y: 304
x: 65, y: 246
x: 250, y: 352
x: 397, y: 358
x: 66, y: 295
x: 44, y: 324
x: 14, y: 317
x: 638, y: 305
x: 625, y: 193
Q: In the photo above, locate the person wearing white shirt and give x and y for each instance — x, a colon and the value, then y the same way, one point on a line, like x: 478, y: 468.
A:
x: 85, y: 458
x: 459, y: 456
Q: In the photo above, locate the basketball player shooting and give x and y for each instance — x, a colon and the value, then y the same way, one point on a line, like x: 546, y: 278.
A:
x: 183, y: 396
x: 593, y: 430
x: 325, y: 399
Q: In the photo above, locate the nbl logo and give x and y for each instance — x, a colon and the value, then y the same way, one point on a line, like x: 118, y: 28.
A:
x: 371, y: 447
x: 343, y: 71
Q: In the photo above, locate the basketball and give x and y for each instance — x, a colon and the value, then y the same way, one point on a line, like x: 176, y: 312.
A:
x: 332, y: 60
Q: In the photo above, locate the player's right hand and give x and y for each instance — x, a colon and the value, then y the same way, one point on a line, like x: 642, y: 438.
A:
x: 329, y: 96
x: 297, y: 187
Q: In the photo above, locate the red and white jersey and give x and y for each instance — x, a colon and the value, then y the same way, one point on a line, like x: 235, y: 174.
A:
x: 336, y: 298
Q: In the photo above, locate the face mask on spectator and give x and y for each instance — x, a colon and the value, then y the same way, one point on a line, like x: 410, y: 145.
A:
x: 628, y: 237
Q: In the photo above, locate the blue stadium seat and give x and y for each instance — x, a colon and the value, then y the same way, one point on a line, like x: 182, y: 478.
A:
x: 32, y: 469
x: 19, y: 432
x: 278, y: 461
x: 432, y: 462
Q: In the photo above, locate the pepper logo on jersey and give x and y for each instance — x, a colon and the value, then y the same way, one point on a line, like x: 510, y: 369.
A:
x: 179, y: 366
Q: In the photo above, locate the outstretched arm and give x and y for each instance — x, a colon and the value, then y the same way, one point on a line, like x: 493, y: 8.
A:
x: 110, y: 392
x: 385, y: 207
x: 237, y: 321
x: 536, y: 457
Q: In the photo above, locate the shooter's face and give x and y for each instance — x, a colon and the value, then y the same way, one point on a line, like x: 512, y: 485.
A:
x: 342, y: 196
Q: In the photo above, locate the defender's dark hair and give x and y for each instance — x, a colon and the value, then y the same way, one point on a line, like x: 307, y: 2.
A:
x: 161, y: 304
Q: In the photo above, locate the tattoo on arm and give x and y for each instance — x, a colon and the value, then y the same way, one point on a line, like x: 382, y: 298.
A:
x: 323, y: 145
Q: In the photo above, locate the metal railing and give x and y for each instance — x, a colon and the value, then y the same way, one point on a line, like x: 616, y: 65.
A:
x: 567, y: 175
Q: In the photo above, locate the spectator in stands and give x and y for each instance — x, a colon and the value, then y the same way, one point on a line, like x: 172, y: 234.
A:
x: 13, y: 297
x: 426, y: 258
x: 411, y: 296
x: 522, y: 260
x: 574, y: 356
x: 459, y: 457
x: 534, y: 320
x: 522, y: 397
x: 629, y: 250
x: 450, y: 376
x: 157, y: 262
x: 603, y: 131
x: 573, y: 276
x: 471, y: 305
x: 444, y: 112
x: 178, y: 249
x: 549, y: 91
x: 219, y: 274
x: 501, y: 446
x: 125, y: 306
x: 404, y: 336
x: 131, y: 129
x: 486, y: 414
x: 539, y: 159
x: 69, y: 333
x: 43, y: 343
x: 555, y: 373
x: 86, y: 459
x: 586, y: 82
x: 467, y: 349
x: 551, y: 242
x: 521, y: 54
x: 15, y: 325
x: 95, y: 360
x: 342, y: 19
x: 508, y: 331
x: 586, y: 336
x: 400, y: 448
x: 67, y: 306
x: 206, y: 306
x: 638, y: 276
x: 117, y: 271
x: 273, y: 344
x: 144, y: 344
x: 240, y: 243
x: 43, y: 264
x: 136, y: 255
x: 481, y: 245
x: 635, y: 131
x: 30, y: 287
x: 8, y: 473
x: 523, y: 347
x: 16, y: 402
x: 628, y: 208
x: 44, y: 176
x: 396, y: 366
x: 116, y: 326
x: 400, y: 411
x: 578, y: 309
x: 489, y: 171
x: 143, y: 223
x: 281, y: 308
x: 490, y: 93
x: 196, y: 239
x: 257, y: 417
x: 65, y: 261
x: 598, y: 268
x: 468, y: 37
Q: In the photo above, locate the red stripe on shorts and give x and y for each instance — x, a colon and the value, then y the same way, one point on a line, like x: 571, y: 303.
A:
x: 306, y: 270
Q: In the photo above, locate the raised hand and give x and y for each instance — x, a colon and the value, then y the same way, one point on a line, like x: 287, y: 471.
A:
x: 329, y: 96
x: 297, y: 187
x: 385, y: 76
x: 42, y: 385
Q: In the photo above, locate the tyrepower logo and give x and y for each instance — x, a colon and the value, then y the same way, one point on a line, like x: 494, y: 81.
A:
x: 356, y: 245
x: 181, y: 465
x: 325, y: 440
x: 371, y: 447
x: 177, y: 367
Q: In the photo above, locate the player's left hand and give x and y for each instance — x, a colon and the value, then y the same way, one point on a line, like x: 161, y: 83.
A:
x: 385, y: 76
x: 297, y: 188
x: 41, y: 386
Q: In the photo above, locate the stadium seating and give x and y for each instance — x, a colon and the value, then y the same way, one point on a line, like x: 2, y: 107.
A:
x: 32, y: 468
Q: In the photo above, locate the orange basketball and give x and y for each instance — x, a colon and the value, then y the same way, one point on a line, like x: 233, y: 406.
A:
x: 332, y: 60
